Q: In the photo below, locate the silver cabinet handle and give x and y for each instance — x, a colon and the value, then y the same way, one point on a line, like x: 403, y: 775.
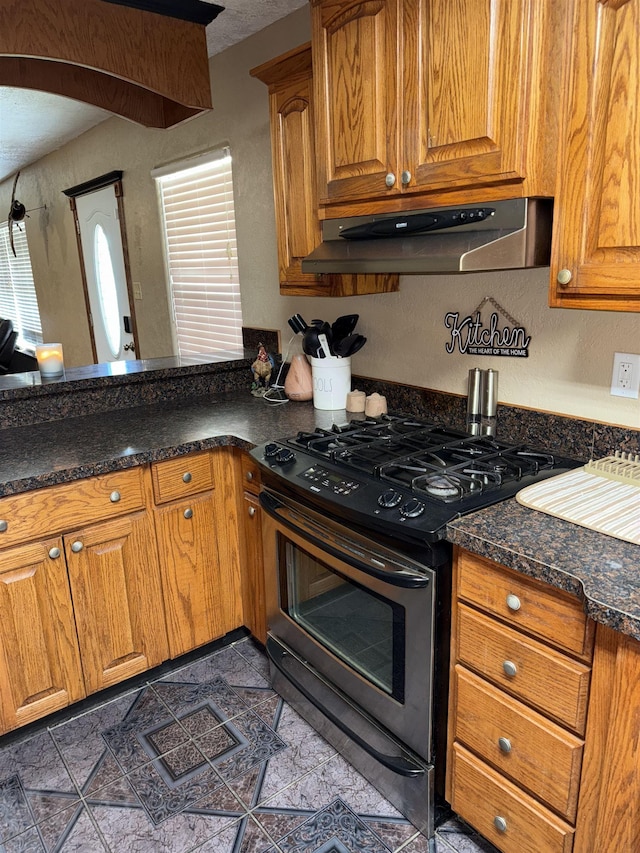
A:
x: 54, y: 553
x: 186, y: 477
x: 252, y: 511
x: 500, y: 823
x: 513, y: 602
x: 405, y: 177
x: 3, y: 525
x: 77, y: 546
x: 390, y: 179
x: 509, y: 668
x: 564, y: 277
x: 188, y: 513
x: 249, y: 476
x: 505, y: 744
x: 114, y: 497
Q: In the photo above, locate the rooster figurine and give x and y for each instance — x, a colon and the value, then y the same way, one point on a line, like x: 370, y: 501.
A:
x: 261, y: 368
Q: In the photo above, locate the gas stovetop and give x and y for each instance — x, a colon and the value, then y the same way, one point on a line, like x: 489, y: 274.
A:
x: 403, y: 475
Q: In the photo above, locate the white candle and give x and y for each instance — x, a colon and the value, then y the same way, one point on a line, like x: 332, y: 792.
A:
x: 50, y: 359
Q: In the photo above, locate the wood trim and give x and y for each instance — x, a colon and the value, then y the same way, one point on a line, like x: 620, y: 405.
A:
x: 85, y: 287
x: 127, y: 267
x: 94, y: 184
x: 609, y: 806
x: 118, y: 58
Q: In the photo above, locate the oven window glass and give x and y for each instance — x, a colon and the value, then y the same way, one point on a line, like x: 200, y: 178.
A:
x: 363, y: 629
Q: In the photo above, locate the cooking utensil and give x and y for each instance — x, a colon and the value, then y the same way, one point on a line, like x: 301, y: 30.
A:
x: 349, y: 345
x: 312, y: 345
x: 344, y: 326
x: 297, y: 323
x: 324, y: 329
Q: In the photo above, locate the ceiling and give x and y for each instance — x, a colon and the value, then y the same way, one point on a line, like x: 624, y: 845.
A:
x: 33, y: 124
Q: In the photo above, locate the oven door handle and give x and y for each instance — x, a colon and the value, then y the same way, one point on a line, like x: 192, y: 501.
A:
x: 402, y: 765
x: 405, y: 578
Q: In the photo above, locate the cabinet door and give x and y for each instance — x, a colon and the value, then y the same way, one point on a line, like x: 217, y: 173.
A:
x: 196, y: 588
x: 117, y: 599
x: 295, y: 177
x: 356, y: 48
x: 255, y: 617
x: 596, y: 238
x: 466, y: 88
x: 40, y: 668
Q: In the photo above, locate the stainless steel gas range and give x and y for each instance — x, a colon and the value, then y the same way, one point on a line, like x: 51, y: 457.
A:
x: 358, y: 581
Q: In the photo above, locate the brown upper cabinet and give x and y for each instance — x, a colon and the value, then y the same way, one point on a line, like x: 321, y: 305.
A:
x: 457, y: 99
x: 596, y: 239
x: 291, y: 107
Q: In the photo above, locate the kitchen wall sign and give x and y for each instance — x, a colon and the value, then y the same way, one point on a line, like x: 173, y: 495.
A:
x: 470, y: 336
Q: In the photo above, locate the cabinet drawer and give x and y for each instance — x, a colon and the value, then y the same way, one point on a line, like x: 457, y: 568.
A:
x: 182, y: 476
x: 542, y: 677
x: 250, y: 473
x: 44, y: 512
x: 531, y: 606
x: 486, y: 799
x: 519, y: 742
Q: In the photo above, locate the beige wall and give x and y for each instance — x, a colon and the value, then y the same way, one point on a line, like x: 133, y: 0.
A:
x: 571, y: 352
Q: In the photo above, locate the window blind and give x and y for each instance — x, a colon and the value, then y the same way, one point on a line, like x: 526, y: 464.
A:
x: 201, y: 253
x: 18, y: 301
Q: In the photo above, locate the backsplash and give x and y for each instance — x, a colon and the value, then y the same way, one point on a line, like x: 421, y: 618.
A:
x: 86, y: 392
x: 582, y: 439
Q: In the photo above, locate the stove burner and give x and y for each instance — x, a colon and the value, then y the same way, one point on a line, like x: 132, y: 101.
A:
x: 437, y: 464
x: 443, y: 487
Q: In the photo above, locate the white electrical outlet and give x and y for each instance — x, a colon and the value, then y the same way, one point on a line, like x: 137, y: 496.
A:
x: 625, y: 378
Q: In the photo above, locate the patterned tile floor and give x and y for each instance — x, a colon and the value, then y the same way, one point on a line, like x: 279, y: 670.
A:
x: 206, y: 759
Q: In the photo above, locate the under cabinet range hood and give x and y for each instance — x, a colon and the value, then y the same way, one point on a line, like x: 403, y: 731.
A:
x: 511, y: 234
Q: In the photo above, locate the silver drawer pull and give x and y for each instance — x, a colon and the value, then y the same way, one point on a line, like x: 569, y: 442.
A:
x: 3, y: 525
x: 186, y: 477
x: 77, y: 546
x: 500, y: 823
x: 249, y: 476
x: 114, y: 497
x: 509, y: 668
x: 505, y: 744
x: 188, y: 513
x: 513, y: 602
x: 252, y: 511
x: 54, y: 553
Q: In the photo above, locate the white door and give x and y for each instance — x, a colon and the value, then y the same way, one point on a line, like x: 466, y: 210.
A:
x: 103, y: 255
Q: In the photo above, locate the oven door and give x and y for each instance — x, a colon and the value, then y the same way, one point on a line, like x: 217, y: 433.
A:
x: 360, y: 614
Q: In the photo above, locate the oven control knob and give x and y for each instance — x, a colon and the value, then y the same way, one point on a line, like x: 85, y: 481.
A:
x: 271, y: 449
x: 389, y: 498
x: 285, y: 456
x: 412, y: 508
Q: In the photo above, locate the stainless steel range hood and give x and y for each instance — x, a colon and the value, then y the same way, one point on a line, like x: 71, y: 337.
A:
x: 512, y: 234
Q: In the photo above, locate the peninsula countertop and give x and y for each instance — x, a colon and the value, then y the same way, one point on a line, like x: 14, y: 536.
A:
x: 602, y: 571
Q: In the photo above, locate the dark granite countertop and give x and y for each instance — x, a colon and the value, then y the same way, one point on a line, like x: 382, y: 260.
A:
x: 602, y: 571
x: 59, y: 451
x: 15, y: 386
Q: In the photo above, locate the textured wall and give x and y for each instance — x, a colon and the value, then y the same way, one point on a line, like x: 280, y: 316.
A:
x: 571, y: 352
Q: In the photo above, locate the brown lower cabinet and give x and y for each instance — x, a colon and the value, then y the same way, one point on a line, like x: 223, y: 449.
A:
x: 194, y: 584
x: 521, y: 664
x: 117, y: 599
x: 104, y: 578
x: 40, y: 669
x: 252, y: 563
